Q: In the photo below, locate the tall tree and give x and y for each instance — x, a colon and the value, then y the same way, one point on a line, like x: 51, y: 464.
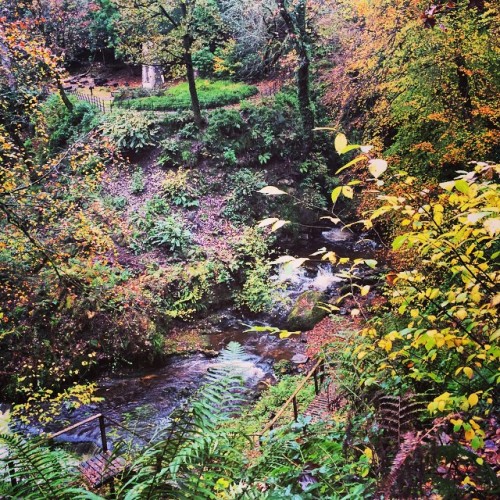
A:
x: 294, y: 15
x: 165, y: 33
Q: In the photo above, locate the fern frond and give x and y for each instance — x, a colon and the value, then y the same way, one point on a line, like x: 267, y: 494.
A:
x: 412, y: 441
x: 32, y: 471
x: 195, y: 451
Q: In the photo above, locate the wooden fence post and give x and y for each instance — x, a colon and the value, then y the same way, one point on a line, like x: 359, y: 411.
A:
x: 295, y: 409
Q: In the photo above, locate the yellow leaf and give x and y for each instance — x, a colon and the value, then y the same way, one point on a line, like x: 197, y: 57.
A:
x: 348, y: 192
x: 267, y: 222
x: 278, y: 224
x: 469, y: 435
x: 377, y: 167
x: 340, y: 143
x: 474, y: 424
x: 461, y: 314
x: 469, y: 372
x: 365, y: 290
x: 473, y: 399
x: 271, y: 190
x: 369, y: 454
x: 479, y: 460
x: 492, y: 226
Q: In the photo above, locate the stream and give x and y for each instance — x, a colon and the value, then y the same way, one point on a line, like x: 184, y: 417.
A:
x: 143, y: 400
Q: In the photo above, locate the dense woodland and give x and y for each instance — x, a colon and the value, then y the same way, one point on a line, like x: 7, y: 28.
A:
x: 130, y: 216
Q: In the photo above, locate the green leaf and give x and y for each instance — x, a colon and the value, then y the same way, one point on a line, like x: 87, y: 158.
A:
x: 336, y: 193
x: 462, y: 186
x: 399, y: 241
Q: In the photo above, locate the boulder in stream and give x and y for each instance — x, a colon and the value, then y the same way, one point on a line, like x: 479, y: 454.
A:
x: 306, y: 313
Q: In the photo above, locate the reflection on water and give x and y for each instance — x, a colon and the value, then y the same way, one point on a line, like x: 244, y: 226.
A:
x: 144, y: 400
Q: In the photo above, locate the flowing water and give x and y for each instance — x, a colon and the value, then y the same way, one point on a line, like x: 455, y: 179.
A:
x: 143, y: 400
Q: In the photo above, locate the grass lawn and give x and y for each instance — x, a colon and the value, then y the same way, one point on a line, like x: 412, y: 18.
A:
x: 211, y: 95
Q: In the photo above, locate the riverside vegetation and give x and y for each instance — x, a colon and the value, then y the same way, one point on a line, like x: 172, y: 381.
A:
x: 122, y: 231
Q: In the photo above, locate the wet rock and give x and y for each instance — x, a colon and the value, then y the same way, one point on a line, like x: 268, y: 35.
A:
x: 306, y: 313
x: 335, y: 235
x: 300, y: 359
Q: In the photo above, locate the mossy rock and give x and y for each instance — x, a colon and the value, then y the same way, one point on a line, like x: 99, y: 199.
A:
x: 306, y: 313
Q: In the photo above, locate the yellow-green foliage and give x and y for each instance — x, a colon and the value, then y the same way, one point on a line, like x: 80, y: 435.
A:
x: 446, y: 298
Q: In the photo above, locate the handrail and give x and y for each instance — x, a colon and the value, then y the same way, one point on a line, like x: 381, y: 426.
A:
x: 75, y: 426
x: 291, y: 399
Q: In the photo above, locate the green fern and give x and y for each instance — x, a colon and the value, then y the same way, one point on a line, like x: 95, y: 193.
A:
x: 196, y: 450
x: 31, y: 471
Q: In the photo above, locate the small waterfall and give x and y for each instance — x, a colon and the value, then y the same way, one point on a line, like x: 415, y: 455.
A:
x: 293, y: 282
x: 299, y: 280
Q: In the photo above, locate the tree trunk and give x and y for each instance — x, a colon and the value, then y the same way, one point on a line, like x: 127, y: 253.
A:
x: 195, y: 102
x: 306, y: 109
x: 64, y: 96
x: 464, y: 87
x: 296, y: 26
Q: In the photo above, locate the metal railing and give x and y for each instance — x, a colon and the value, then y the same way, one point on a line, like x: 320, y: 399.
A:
x: 103, y: 105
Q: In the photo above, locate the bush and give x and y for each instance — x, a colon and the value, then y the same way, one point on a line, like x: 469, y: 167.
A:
x: 223, y: 124
x: 175, y: 121
x: 179, y: 190
x: 244, y: 205
x: 170, y: 233
x: 274, y: 128
x: 257, y: 294
x: 64, y: 126
x: 130, y: 130
x: 154, y: 228
x: 176, y: 153
x: 210, y: 94
x: 203, y: 61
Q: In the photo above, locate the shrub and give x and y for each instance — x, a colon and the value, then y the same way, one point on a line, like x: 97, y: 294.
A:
x: 179, y: 190
x: 156, y: 206
x: 176, y: 153
x: 243, y: 204
x: 130, y: 130
x: 274, y: 128
x: 170, y: 233
x: 257, y: 294
x: 210, y: 94
x: 64, y: 126
x: 224, y: 125
x: 116, y: 202
x: 154, y: 229
x: 203, y: 61
x: 175, y: 121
